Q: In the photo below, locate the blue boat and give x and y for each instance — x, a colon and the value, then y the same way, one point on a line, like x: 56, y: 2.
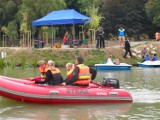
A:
x: 149, y: 64
x: 112, y: 66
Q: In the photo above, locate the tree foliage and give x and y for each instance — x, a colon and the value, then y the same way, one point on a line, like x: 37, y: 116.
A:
x: 134, y: 15
x: 88, y: 7
x: 8, y: 10
x: 129, y: 14
x: 153, y: 10
x: 31, y: 10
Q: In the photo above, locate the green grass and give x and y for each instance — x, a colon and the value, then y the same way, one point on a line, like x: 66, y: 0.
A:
x: 29, y: 58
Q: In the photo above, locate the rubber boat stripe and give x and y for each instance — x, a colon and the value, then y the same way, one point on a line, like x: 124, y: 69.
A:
x: 22, y: 94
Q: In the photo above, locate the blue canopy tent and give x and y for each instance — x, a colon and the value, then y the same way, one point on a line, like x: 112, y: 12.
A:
x: 62, y: 17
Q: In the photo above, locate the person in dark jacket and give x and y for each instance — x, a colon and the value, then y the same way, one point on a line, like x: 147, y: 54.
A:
x: 127, y: 48
x: 75, y: 74
x: 53, y: 75
x: 101, y: 33
x: 98, y: 37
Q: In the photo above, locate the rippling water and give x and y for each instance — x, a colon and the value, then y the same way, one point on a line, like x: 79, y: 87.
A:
x: 142, y: 83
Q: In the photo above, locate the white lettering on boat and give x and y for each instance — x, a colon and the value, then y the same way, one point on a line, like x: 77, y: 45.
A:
x: 74, y: 91
x: 113, y: 93
x: 101, y: 93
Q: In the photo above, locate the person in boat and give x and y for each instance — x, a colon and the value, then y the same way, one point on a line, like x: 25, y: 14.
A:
x: 152, y: 57
x: 53, y: 75
x: 81, y: 75
x: 70, y: 68
x: 43, y: 69
x: 155, y: 57
x: 109, y: 58
x: 116, y: 61
x: 147, y: 58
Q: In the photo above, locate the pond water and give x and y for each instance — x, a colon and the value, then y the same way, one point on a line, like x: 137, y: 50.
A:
x: 142, y: 83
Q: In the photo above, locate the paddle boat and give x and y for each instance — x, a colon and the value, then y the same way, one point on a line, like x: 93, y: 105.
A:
x: 149, y: 64
x: 27, y: 91
x: 111, y: 66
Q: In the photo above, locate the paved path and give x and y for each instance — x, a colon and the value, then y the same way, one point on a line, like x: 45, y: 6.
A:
x: 112, y: 46
x: 131, y: 43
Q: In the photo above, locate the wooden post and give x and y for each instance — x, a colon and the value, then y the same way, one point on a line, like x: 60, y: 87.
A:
x: 4, y: 41
x: 81, y: 35
x: 45, y: 37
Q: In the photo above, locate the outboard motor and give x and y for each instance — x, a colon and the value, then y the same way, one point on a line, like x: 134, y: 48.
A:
x: 111, y: 82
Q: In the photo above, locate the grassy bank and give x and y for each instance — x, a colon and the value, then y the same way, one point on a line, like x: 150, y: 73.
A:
x: 28, y: 57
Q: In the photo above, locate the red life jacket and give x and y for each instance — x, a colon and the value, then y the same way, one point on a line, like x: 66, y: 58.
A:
x: 84, y: 76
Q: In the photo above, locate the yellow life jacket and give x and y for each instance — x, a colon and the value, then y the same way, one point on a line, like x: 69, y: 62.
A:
x: 84, y: 76
x: 69, y: 73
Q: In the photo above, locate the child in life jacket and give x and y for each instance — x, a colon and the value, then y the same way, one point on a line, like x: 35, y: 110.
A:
x: 43, y: 69
x: 69, y: 68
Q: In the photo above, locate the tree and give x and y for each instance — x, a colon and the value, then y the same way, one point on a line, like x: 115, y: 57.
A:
x: 91, y: 8
x: 153, y: 10
x: 129, y: 14
x: 88, y: 7
x: 31, y: 10
x: 8, y: 10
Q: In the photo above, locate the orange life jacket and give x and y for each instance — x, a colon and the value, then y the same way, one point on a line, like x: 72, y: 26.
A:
x: 84, y: 76
x: 157, y: 35
x: 43, y: 70
x: 54, y: 71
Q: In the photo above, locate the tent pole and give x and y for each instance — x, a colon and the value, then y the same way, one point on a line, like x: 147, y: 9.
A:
x: 32, y: 38
x: 73, y: 32
x: 52, y: 35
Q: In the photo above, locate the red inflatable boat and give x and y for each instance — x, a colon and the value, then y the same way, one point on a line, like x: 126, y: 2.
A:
x: 27, y: 91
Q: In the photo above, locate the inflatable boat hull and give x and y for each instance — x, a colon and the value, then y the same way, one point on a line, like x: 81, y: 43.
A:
x: 27, y: 91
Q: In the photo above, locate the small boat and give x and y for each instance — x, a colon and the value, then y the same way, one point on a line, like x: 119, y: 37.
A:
x: 112, y: 66
x: 149, y: 64
x: 27, y: 91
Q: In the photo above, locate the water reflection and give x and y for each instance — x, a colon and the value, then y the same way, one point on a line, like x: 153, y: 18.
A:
x: 61, y: 112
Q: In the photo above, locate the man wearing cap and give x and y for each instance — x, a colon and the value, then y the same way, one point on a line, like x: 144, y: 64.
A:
x: 82, y: 74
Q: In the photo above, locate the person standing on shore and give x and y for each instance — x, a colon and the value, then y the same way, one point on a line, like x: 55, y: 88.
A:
x: 102, y: 43
x: 127, y: 48
x: 98, y: 38
x: 65, y: 38
x: 121, y: 36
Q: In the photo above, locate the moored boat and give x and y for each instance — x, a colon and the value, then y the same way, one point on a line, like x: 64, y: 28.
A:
x: 149, y: 64
x: 112, y: 66
x: 27, y: 91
